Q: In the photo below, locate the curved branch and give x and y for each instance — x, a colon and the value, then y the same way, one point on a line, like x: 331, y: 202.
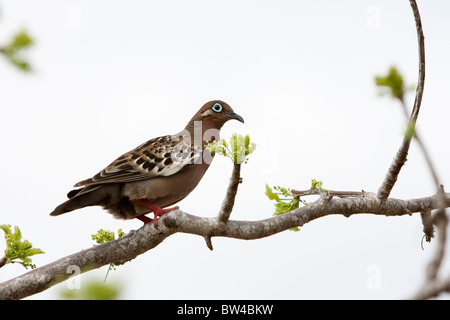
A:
x: 400, y: 159
x: 147, y: 237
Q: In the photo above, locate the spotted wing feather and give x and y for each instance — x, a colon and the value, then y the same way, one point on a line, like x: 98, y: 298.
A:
x: 163, y: 156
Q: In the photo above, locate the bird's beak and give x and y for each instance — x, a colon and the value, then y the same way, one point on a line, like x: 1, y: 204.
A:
x: 235, y: 116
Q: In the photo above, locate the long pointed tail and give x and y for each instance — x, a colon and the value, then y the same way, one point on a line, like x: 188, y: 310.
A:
x: 81, y: 198
x: 70, y: 205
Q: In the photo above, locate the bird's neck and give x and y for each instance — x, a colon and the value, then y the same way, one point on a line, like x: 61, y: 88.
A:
x: 199, y: 133
x: 202, y: 131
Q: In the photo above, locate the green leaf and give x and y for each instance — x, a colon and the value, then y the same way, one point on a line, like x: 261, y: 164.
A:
x: 13, y: 50
x: 283, y: 205
x: 393, y: 83
x: 16, y: 249
x: 270, y: 194
x: 21, y: 40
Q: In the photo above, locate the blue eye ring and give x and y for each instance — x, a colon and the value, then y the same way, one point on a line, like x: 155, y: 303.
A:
x: 217, y: 107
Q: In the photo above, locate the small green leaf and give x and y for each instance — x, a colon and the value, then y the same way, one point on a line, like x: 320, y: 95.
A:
x: 247, y: 145
x: 270, y: 194
x: 21, y: 40
x: 393, y: 83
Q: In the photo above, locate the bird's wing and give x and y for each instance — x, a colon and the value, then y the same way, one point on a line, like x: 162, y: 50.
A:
x: 163, y: 156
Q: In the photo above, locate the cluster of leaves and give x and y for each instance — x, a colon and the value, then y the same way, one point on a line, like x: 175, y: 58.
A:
x: 13, y: 50
x: 18, y: 250
x: 317, y: 184
x: 103, y: 236
x: 237, y: 149
x: 285, y: 200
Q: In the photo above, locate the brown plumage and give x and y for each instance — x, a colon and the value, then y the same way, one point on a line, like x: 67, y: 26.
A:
x: 156, y: 174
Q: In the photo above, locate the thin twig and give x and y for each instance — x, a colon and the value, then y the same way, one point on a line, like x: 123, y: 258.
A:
x: 400, y: 159
x: 315, y: 191
x: 423, y: 148
x: 440, y: 220
x: 433, y: 286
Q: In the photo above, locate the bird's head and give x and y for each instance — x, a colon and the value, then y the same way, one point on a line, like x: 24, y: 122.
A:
x: 214, y: 114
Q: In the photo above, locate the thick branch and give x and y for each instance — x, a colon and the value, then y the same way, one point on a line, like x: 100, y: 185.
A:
x: 124, y: 249
x: 228, y: 202
x: 137, y: 242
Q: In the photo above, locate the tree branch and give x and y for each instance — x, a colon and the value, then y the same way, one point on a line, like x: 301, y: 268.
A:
x: 124, y: 249
x: 147, y: 237
x: 400, y: 159
x: 433, y: 286
x: 315, y: 191
x: 440, y: 220
x: 228, y: 202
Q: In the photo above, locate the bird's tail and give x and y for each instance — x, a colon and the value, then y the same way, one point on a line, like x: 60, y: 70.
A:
x: 81, y: 198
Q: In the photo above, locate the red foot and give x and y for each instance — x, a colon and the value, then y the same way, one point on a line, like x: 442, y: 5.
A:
x: 157, y: 211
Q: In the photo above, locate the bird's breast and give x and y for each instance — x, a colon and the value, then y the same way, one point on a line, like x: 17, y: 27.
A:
x: 167, y: 190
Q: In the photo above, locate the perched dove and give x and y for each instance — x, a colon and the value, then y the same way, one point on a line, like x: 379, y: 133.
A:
x: 156, y: 174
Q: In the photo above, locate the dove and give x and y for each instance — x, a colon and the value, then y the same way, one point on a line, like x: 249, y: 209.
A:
x: 157, y: 174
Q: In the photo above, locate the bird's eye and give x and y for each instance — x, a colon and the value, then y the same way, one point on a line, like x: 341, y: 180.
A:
x: 217, y: 107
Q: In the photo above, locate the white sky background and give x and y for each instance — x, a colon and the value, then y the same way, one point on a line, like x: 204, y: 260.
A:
x: 109, y: 75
